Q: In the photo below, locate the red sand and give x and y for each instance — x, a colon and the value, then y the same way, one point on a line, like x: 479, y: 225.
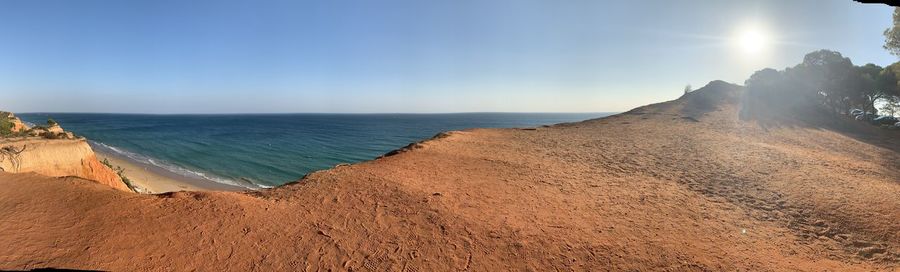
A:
x: 669, y: 187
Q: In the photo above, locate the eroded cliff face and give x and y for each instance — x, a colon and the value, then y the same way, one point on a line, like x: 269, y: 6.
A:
x: 56, y: 158
x: 18, y: 125
x: 10, y: 119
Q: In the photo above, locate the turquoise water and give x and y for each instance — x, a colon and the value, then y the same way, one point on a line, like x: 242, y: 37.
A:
x: 272, y: 149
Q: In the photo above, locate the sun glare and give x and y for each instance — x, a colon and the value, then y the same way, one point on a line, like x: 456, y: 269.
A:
x: 752, y: 41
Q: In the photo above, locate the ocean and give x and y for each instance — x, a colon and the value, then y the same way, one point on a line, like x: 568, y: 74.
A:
x: 272, y: 149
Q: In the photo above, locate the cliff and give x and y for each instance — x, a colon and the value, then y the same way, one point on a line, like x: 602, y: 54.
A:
x: 9, y: 123
x: 18, y: 125
x: 50, y: 151
x: 56, y: 158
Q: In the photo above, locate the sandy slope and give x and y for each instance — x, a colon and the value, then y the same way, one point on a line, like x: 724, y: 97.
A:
x: 672, y: 186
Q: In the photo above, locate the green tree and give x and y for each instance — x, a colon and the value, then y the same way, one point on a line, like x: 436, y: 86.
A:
x: 889, y: 83
x: 865, y: 88
x: 826, y: 75
x: 892, y: 35
x: 891, y: 106
x: 766, y: 81
x: 889, y: 79
x: 828, y: 79
x: 765, y: 89
x: 5, y: 127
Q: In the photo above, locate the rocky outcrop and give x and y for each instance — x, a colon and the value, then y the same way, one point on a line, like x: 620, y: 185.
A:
x: 10, y: 121
x: 17, y: 125
x: 52, y: 131
x: 56, y: 158
x: 55, y: 129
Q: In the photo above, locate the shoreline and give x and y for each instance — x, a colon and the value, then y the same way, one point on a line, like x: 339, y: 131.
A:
x: 154, y: 180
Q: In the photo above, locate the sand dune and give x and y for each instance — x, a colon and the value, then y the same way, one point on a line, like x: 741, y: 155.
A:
x: 677, y: 186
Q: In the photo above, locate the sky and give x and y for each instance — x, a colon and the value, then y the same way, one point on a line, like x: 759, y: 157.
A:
x: 411, y: 56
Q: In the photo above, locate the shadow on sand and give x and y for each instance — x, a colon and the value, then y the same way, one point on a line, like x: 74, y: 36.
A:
x: 823, y: 120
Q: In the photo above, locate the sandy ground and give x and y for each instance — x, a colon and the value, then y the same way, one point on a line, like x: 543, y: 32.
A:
x: 151, y: 179
x: 666, y: 187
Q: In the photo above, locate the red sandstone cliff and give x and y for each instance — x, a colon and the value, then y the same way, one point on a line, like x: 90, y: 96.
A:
x: 56, y: 158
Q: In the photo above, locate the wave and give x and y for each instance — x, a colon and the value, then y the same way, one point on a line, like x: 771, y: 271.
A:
x: 140, y: 158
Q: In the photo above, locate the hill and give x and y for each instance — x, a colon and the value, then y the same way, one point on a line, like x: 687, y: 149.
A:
x: 680, y: 185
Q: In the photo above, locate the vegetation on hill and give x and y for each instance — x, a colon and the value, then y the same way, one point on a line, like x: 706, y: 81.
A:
x: 892, y: 35
x: 826, y: 81
x: 121, y: 173
x: 5, y: 125
x: 8, y: 125
x: 831, y: 83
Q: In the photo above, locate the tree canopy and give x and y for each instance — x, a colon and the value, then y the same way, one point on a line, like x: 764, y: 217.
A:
x: 892, y: 35
x: 829, y: 80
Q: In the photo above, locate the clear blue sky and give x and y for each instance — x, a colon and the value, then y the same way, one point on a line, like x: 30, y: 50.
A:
x: 403, y: 56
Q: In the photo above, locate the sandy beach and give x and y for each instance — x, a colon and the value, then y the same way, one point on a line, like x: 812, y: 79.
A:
x: 153, y: 179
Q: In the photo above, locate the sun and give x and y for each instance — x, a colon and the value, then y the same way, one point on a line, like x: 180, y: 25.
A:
x: 752, y: 40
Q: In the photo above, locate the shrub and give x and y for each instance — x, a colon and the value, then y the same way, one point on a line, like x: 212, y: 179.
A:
x: 5, y: 127
x: 106, y: 162
x: 52, y: 136
x: 121, y: 172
